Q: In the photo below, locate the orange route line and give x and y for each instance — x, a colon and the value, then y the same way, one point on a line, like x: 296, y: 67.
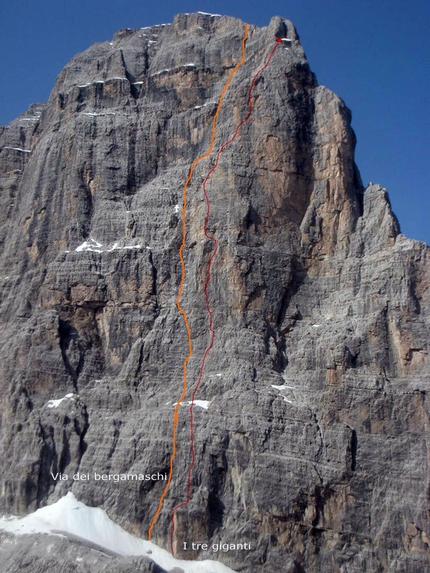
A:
x: 208, y: 278
x: 181, y: 285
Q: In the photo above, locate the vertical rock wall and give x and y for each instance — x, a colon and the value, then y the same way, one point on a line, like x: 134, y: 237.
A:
x: 314, y: 445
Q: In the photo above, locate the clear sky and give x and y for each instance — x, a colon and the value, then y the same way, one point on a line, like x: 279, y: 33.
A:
x: 375, y: 54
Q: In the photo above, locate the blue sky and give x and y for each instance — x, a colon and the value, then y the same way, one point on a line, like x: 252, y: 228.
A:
x: 375, y: 54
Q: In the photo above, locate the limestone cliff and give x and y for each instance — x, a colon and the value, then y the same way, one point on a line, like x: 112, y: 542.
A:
x: 314, y: 447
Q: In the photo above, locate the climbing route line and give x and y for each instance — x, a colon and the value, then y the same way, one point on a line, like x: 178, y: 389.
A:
x: 208, y: 278
x: 181, y: 285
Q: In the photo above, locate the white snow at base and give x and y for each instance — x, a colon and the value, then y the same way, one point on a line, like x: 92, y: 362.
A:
x: 68, y: 515
x: 56, y: 403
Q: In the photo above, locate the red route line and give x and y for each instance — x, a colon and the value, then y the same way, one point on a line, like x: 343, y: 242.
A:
x: 181, y: 285
x: 208, y: 278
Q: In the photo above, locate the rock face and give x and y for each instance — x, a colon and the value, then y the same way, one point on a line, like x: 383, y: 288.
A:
x: 314, y: 447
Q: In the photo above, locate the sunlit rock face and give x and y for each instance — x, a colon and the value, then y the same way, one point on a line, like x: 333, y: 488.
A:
x: 313, y: 447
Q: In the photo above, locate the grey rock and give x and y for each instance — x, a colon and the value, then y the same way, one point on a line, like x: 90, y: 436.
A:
x: 314, y: 445
x: 49, y: 554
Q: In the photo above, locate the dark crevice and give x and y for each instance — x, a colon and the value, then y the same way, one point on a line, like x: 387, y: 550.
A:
x: 76, y: 349
x: 47, y: 462
x: 65, y: 452
x: 116, y: 431
x: 67, y: 335
x: 82, y: 433
x: 299, y: 275
x: 131, y: 165
x: 319, y: 453
x: 216, y: 507
x: 353, y: 446
x: 85, y: 205
x: 154, y: 274
x: 139, y: 365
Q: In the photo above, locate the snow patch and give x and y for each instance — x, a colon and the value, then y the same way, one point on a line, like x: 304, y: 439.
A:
x: 116, y: 247
x: 90, y: 245
x: 165, y: 71
x: 56, y: 403
x: 209, y: 14
x: 206, y: 104
x: 177, y: 208
x: 200, y: 403
x: 96, y: 247
x: 283, y: 387
x: 18, y: 149
x: 94, y: 114
x: 70, y: 516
